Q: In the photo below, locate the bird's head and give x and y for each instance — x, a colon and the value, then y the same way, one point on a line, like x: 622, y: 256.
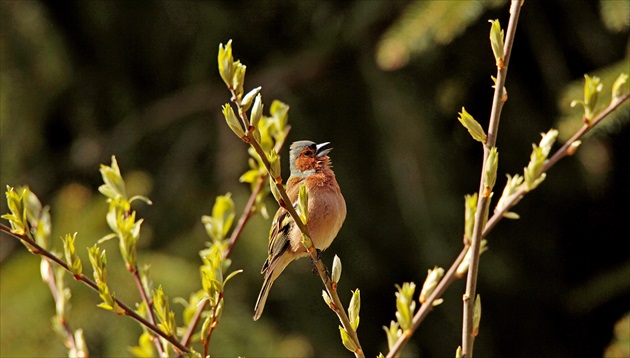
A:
x: 308, y: 157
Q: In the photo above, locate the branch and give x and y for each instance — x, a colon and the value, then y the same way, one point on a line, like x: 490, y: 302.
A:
x: 427, y: 307
x: 248, y: 211
x: 38, y: 250
x: 485, y: 192
x: 145, y: 299
x: 285, y: 203
x: 564, y: 151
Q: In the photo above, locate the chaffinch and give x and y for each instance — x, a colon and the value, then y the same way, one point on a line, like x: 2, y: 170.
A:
x: 310, y: 164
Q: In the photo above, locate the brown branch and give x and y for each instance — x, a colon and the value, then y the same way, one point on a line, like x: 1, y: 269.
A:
x: 128, y: 311
x: 484, y: 193
x: 285, y: 203
x: 427, y: 307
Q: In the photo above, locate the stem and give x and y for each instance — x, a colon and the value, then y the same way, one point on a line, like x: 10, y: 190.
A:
x: 213, y: 325
x: 559, y: 154
x: 427, y: 307
x: 128, y: 311
x: 68, y: 334
x: 193, y: 324
x: 247, y: 214
x: 484, y: 193
x: 149, y: 305
x: 285, y: 203
x: 248, y: 211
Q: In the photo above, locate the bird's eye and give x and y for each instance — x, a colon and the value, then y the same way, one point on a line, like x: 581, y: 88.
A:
x: 308, y: 153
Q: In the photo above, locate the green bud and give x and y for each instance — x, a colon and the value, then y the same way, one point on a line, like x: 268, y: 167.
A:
x: 226, y: 63
x: 433, y: 278
x: 336, y: 269
x: 405, y: 304
x: 354, y: 308
x: 327, y: 299
x: 73, y: 261
x: 592, y: 88
x: 205, y: 329
x: 533, y: 173
x: 511, y: 186
x: 274, y: 191
x: 491, y: 168
x: 617, y: 88
x: 233, y: 121
x: 165, y: 316
x: 347, y: 341
x: 490, y: 176
x: 274, y: 165
x: 248, y: 99
x: 547, y: 141
x: 279, y: 111
x: 114, y: 186
x: 573, y: 147
x: 470, y: 205
x: 497, y: 38
x: 476, y: 316
x: 458, y: 352
x: 239, y: 79
x: 257, y: 110
x: 473, y: 127
x: 393, y: 332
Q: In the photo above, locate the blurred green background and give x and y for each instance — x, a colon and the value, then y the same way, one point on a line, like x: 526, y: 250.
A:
x: 383, y: 81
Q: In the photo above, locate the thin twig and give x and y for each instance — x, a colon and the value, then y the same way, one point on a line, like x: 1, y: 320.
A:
x: 484, y: 193
x: 145, y: 299
x: 248, y: 211
x: 426, y: 307
x: 128, y: 311
x: 450, y: 276
x: 236, y: 233
x: 564, y: 151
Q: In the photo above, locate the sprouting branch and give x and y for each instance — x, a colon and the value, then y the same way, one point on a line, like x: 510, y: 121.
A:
x: 128, y: 311
x: 285, y: 203
x: 499, y: 98
x: 248, y: 211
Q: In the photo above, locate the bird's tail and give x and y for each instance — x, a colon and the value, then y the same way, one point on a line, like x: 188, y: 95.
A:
x: 262, y: 297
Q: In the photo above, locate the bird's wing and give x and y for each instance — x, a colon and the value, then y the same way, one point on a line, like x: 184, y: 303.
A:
x: 278, y: 238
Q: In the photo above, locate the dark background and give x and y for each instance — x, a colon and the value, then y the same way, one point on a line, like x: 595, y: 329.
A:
x: 84, y: 80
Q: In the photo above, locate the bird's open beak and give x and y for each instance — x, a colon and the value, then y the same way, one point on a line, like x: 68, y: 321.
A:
x: 322, y: 150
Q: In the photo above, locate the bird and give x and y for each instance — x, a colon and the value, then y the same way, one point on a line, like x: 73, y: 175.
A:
x: 309, y: 164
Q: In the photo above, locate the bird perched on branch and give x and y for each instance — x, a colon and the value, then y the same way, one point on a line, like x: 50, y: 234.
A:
x: 310, y: 165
